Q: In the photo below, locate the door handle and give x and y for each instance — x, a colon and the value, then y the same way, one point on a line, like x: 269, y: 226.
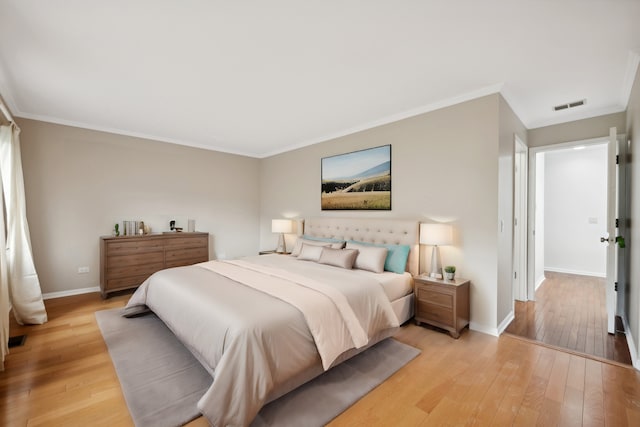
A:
x: 606, y: 239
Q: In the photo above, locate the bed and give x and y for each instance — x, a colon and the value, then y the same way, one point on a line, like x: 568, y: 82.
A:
x: 264, y: 325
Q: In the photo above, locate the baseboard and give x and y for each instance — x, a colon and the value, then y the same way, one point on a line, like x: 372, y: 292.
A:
x: 507, y: 320
x: 578, y: 272
x: 633, y: 352
x: 481, y: 328
x: 52, y: 295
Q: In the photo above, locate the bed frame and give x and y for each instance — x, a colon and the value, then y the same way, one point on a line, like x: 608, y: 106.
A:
x: 371, y: 230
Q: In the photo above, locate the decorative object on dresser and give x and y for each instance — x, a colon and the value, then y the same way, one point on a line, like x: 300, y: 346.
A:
x: 281, y: 226
x: 449, y: 272
x: 435, y: 235
x: 172, y: 226
x: 127, y: 261
x: 442, y: 303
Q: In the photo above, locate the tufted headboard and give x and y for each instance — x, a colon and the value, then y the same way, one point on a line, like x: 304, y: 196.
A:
x: 371, y: 230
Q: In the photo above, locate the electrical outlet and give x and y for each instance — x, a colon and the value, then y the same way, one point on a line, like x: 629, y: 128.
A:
x: 83, y: 270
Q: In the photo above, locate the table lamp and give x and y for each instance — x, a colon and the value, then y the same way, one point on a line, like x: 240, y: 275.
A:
x: 281, y: 226
x: 436, y: 235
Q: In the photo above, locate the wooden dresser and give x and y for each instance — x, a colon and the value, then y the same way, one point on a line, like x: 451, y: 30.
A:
x: 126, y: 261
x: 442, y: 303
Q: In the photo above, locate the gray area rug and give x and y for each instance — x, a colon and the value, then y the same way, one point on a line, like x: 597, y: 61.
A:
x: 162, y: 381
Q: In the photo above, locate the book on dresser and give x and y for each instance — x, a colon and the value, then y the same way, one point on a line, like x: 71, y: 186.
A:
x: 127, y: 261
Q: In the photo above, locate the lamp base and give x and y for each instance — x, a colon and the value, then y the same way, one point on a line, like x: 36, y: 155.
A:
x: 436, y: 266
x: 282, y: 247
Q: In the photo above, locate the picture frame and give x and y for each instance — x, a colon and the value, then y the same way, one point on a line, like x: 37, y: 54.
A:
x: 359, y: 180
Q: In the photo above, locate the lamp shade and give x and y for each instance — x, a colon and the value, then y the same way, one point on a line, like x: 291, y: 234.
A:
x: 281, y: 226
x: 436, y: 234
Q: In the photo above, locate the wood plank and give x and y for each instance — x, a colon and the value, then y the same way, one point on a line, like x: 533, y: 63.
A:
x: 572, y: 407
x: 64, y: 376
x: 593, y: 410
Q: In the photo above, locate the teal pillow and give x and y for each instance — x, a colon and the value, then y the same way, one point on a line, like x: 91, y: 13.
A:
x: 397, y: 255
x: 322, y: 239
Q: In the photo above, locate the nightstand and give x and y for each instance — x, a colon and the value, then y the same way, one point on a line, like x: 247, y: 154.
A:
x: 442, y: 303
x: 273, y: 252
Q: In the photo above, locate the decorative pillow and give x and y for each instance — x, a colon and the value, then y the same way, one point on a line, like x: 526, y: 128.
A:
x: 370, y: 258
x: 397, y: 255
x: 310, y: 252
x: 298, y: 246
x: 343, y: 258
x: 323, y: 239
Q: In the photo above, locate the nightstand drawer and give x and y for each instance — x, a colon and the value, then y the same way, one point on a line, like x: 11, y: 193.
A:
x: 436, y: 297
x: 435, y: 313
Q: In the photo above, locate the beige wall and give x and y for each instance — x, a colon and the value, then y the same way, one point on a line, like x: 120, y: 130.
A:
x: 79, y: 182
x: 578, y: 130
x: 633, y: 247
x: 444, y: 166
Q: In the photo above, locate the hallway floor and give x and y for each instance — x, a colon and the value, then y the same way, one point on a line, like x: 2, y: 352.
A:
x: 570, y: 312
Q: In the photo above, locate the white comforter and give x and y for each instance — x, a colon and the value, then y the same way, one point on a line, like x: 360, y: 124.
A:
x: 287, y: 321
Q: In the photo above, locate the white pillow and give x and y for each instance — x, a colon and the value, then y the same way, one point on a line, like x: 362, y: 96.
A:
x: 310, y: 252
x: 343, y: 258
x: 298, y: 246
x: 370, y: 258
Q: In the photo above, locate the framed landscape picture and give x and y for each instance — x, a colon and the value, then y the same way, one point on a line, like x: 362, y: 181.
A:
x: 360, y: 180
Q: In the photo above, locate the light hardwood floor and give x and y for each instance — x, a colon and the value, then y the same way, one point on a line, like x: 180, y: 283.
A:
x: 63, y: 376
x: 570, y: 312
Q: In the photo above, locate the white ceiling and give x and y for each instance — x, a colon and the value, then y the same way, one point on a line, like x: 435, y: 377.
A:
x: 263, y: 77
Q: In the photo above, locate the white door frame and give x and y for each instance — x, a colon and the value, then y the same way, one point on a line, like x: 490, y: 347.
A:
x: 612, y: 199
x: 520, y: 215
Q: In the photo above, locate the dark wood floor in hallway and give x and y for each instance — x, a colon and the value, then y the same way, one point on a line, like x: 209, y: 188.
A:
x: 570, y: 312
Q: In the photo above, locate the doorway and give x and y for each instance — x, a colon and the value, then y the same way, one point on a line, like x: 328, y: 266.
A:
x: 567, y: 218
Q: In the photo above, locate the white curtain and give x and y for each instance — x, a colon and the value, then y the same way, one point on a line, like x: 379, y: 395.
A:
x: 24, y: 287
x: 4, y: 288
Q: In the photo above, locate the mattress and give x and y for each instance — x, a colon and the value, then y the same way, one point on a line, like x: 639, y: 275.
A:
x: 395, y: 285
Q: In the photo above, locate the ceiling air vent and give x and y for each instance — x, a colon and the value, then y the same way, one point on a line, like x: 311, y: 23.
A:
x: 569, y: 105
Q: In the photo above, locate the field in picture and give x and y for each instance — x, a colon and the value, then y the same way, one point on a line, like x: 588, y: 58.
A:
x: 370, y: 200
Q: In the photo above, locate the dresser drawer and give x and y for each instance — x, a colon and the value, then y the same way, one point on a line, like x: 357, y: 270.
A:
x: 134, y: 270
x: 187, y: 242
x: 133, y: 246
x: 135, y: 259
x: 188, y: 253
x: 435, y: 313
x: 125, y: 282
x: 435, y: 296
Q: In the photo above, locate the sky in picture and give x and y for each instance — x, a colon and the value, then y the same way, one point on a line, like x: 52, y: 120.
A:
x: 351, y: 164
